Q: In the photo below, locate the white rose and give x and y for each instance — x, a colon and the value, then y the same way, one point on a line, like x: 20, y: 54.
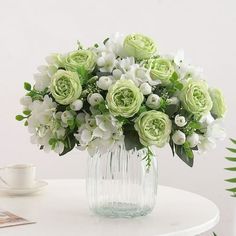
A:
x: 180, y: 121
x: 104, y: 82
x: 153, y: 101
x: 179, y: 137
x: 145, y: 88
x: 76, y: 105
x: 66, y: 116
x: 193, y: 140
x: 94, y: 99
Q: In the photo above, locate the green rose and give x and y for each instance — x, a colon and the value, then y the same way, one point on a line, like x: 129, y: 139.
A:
x: 139, y: 46
x: 195, y: 97
x: 153, y: 127
x: 161, y: 69
x: 80, y: 58
x: 219, y: 106
x: 124, y: 98
x: 65, y: 87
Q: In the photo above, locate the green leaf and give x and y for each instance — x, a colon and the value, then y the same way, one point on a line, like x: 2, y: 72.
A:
x: 142, y: 109
x: 183, y: 155
x: 132, y: 140
x: 125, y: 121
x: 69, y: 144
x: 174, y: 77
x: 83, y: 75
x: 96, y: 45
x: 26, y: 123
x: 233, y: 140
x: 231, y: 168
x: 233, y: 180
x: 231, y: 190
x: 231, y: 158
x: 52, y: 142
x: 20, y: 117
x: 232, y: 150
x: 171, y: 109
x: 104, y: 42
x: 102, y: 107
x: 26, y: 113
x: 188, y: 150
x: 214, y: 234
x: 172, y: 146
x: 27, y: 86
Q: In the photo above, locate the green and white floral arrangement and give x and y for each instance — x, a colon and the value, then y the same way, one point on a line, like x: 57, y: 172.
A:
x: 122, y: 90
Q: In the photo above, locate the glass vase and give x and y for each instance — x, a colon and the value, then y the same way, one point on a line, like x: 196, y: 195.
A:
x: 120, y: 184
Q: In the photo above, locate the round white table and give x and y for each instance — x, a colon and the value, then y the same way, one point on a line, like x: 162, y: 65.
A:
x: 62, y: 210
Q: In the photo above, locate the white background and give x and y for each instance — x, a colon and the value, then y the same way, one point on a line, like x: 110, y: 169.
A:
x: 205, y: 29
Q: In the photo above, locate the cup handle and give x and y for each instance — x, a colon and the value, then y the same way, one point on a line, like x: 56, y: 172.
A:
x: 1, y: 178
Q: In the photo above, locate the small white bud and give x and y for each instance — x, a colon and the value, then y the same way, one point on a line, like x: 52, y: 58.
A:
x: 81, y: 117
x: 100, y: 61
x: 65, y: 116
x: 180, y: 121
x: 76, y: 105
x: 117, y: 73
x: 193, y: 140
x: 59, y: 147
x: 60, y: 133
x: 58, y: 115
x: 104, y: 82
x: 173, y: 101
x: 153, y: 101
x: 94, y: 99
x: 145, y: 88
x: 179, y: 137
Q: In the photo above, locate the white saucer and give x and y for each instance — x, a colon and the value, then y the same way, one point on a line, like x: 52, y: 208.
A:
x: 39, y: 185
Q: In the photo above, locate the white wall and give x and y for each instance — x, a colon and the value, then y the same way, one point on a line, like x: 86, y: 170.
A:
x: 30, y: 30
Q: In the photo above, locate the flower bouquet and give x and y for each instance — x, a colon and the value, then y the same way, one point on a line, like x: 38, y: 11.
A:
x: 122, y: 91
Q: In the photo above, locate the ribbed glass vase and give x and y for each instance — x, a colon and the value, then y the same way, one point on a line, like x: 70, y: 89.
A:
x: 119, y: 184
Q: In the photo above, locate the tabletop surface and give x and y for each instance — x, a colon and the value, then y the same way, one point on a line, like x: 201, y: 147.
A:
x: 62, y: 210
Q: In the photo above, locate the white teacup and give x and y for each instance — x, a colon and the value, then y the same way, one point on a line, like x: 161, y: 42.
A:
x: 18, y: 176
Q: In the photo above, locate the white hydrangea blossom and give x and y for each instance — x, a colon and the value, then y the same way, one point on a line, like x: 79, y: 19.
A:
x: 214, y: 132
x: 45, y: 72
x: 183, y: 68
x: 105, y: 131
x: 41, y: 124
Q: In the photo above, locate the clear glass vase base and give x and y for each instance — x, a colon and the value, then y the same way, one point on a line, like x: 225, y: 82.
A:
x: 122, y: 210
x: 119, y: 183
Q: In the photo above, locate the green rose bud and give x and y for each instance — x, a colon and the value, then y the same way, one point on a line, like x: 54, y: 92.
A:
x: 80, y: 58
x: 124, y: 98
x: 195, y: 97
x: 139, y: 46
x: 219, y: 106
x: 65, y: 87
x: 161, y: 69
x: 153, y: 127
